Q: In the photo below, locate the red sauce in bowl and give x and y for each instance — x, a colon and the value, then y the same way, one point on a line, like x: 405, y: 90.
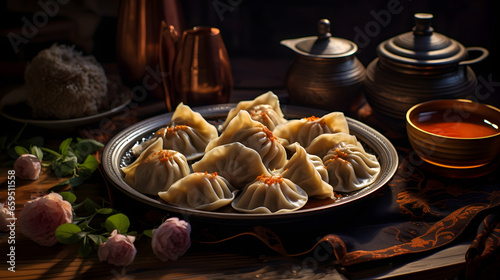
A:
x: 453, y: 123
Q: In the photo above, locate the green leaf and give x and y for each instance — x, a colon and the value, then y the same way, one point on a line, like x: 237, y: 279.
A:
x: 71, y: 153
x: 84, y: 222
x: 105, y: 211
x: 64, y: 146
x: 68, y: 233
x: 88, y: 166
x: 117, y: 221
x: 65, y: 167
x: 20, y: 150
x: 68, y: 196
x: 87, y: 146
x: 148, y: 233
x: 85, y: 247
x: 90, y: 205
x: 51, y: 152
x: 37, y: 152
x: 97, y: 238
x: 73, y: 182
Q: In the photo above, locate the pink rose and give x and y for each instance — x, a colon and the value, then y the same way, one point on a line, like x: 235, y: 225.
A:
x: 5, y: 214
x: 171, y: 240
x: 118, y: 249
x: 27, y: 166
x: 40, y: 218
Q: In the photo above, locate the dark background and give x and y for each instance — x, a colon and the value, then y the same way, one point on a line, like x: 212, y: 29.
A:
x: 252, y: 29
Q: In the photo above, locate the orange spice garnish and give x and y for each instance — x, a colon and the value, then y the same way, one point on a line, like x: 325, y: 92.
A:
x: 211, y: 174
x: 268, y: 133
x: 269, y: 180
x: 163, y: 155
x: 311, y: 118
x: 263, y: 115
x: 339, y: 155
x: 173, y: 130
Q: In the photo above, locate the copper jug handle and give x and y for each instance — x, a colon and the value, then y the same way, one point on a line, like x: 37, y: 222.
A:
x: 484, y: 54
x: 174, y: 36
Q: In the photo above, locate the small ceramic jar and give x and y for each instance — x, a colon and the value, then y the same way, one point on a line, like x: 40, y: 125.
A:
x: 326, y: 73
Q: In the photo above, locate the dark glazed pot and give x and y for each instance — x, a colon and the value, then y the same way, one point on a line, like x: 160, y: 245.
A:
x: 418, y: 66
x: 325, y: 74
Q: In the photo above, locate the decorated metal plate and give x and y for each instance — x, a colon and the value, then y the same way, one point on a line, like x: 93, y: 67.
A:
x: 117, y: 154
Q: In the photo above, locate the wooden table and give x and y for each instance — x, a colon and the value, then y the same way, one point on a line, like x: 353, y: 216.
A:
x: 253, y: 261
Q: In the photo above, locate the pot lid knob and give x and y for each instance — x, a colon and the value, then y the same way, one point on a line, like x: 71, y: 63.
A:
x: 423, y: 24
x: 324, y: 44
x: 422, y: 46
x: 324, y: 29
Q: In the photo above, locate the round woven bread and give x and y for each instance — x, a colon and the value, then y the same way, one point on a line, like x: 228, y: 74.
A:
x: 63, y: 84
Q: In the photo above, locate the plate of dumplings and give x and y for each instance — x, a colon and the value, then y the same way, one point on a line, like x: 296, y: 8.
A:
x: 254, y: 160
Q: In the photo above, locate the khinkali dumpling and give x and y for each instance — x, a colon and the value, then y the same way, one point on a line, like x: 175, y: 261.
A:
x: 235, y: 162
x: 187, y: 133
x: 350, y: 167
x: 301, y: 170
x: 265, y: 109
x: 270, y: 194
x: 129, y: 170
x: 324, y: 143
x: 159, y: 171
x: 201, y: 191
x: 253, y: 135
x: 305, y: 130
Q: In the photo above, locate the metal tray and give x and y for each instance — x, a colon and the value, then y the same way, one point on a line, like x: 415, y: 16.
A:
x: 119, y: 148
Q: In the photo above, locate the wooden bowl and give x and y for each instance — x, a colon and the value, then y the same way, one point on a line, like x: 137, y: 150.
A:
x: 457, y: 134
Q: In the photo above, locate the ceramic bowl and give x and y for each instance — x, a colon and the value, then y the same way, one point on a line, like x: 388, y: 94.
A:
x: 457, y: 134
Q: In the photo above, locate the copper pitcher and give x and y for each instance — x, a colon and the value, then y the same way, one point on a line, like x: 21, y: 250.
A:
x: 201, y: 72
x: 137, y: 42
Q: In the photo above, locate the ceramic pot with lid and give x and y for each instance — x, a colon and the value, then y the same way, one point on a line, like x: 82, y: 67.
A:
x: 419, y: 66
x: 326, y: 73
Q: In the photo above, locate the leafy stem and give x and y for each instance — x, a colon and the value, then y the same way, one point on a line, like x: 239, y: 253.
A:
x: 50, y: 151
x: 73, y: 159
x: 90, y: 236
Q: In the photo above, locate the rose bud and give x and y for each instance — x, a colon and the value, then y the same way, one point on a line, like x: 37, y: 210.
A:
x: 118, y: 250
x: 27, y: 166
x: 40, y: 218
x: 5, y: 214
x: 171, y: 239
